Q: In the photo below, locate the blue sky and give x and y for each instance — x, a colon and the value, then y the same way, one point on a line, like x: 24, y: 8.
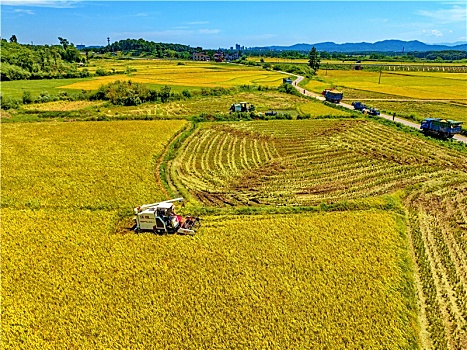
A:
x: 214, y: 24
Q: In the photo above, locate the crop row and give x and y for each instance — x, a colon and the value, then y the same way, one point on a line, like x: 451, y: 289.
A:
x: 438, y: 234
x: 306, y: 162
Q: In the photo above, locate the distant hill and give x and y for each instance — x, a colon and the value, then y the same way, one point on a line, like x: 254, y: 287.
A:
x: 379, y: 46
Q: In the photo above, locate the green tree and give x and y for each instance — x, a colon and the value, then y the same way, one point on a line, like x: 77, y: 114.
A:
x: 64, y: 42
x: 314, y: 59
x: 164, y: 94
x: 13, y: 39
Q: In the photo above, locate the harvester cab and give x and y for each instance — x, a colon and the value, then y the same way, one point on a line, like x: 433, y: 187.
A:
x: 161, y: 218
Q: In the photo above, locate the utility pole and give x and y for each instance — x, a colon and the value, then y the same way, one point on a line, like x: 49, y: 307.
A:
x: 380, y: 71
x: 108, y: 41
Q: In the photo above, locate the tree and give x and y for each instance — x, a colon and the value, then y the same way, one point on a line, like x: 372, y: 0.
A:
x: 13, y: 39
x: 64, y: 42
x: 314, y: 59
x: 164, y: 94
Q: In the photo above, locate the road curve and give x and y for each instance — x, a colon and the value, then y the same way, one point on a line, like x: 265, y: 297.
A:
x: 305, y: 92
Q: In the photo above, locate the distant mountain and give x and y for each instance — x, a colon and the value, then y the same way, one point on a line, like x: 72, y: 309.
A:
x: 454, y: 44
x: 379, y: 46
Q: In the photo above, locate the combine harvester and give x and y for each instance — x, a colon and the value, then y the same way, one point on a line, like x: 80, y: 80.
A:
x: 241, y: 107
x: 441, y: 128
x: 160, y: 218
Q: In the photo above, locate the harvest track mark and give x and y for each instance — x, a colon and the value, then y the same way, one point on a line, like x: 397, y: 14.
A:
x: 436, y: 230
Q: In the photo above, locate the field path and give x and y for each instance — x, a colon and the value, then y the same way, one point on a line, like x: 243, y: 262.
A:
x: 386, y: 116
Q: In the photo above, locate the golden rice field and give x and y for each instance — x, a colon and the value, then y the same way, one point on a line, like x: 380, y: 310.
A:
x: 263, y: 101
x: 419, y: 110
x: 372, y: 253
x: 412, y: 85
x: 190, y: 74
x: 71, y: 279
x: 438, y: 227
x: 337, y: 161
x: 351, y: 62
x: 298, y: 281
x: 59, y: 106
x: 82, y: 165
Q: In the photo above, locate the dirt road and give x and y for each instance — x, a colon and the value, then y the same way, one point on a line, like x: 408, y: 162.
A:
x: 386, y: 116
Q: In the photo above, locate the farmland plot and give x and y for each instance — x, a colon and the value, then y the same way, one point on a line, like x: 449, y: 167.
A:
x: 438, y: 230
x: 295, y: 281
x: 311, y: 162
x: 83, y: 164
x: 304, y: 162
x: 189, y: 74
x: 276, y: 281
x: 413, y: 85
x: 263, y: 101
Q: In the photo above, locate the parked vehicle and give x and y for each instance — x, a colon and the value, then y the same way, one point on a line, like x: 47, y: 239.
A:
x: 372, y: 111
x: 358, y: 106
x: 441, y: 127
x: 333, y: 96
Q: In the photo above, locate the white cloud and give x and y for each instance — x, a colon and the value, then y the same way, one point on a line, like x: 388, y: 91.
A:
x: 26, y: 12
x: 454, y: 14
x: 197, y: 23
x: 209, y: 31
x: 42, y: 3
x: 141, y: 14
x: 436, y: 33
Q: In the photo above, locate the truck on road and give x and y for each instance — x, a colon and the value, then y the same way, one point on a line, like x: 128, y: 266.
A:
x: 441, y: 127
x: 333, y: 96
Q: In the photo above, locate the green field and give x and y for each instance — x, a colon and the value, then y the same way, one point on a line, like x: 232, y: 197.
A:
x: 16, y: 88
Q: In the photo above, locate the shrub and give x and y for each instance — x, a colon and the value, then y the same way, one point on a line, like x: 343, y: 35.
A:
x: 27, y: 97
x: 11, y: 72
x: 44, y: 96
x: 125, y: 93
x: 9, y: 102
x: 289, y: 89
x: 101, y: 72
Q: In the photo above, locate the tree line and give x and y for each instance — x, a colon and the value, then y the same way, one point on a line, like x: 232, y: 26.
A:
x: 21, y: 61
x: 437, y: 56
x: 141, y: 47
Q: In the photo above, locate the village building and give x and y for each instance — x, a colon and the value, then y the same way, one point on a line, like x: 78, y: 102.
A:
x: 200, y: 56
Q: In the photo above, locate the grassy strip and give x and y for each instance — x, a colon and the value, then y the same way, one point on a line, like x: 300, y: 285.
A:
x: 407, y: 282
x: 435, y: 323
x: 172, y: 150
x: 386, y: 202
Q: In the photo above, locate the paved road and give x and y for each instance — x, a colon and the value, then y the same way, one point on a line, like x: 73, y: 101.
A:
x: 386, y: 116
